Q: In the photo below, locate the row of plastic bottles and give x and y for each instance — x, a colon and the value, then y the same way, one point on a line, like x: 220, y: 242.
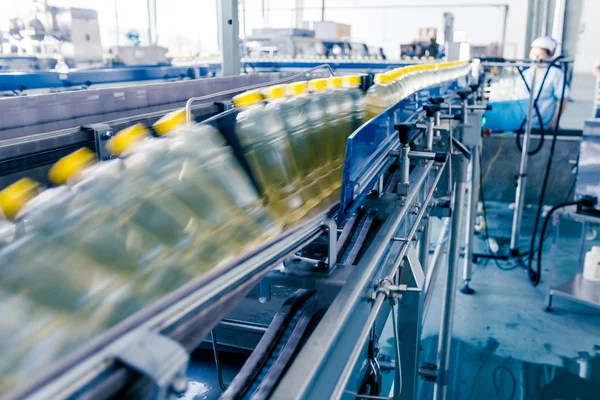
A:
x: 397, y: 84
x: 112, y: 237
x: 115, y: 236
x: 294, y: 138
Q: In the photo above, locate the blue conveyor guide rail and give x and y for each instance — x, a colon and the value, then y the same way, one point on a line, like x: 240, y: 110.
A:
x: 20, y: 81
x: 368, y: 147
x: 187, y: 315
x: 338, y: 64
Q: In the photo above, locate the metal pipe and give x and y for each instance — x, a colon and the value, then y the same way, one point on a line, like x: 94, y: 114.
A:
x: 432, y: 269
x: 117, y: 22
x: 558, y: 24
x: 449, y: 295
x: 404, y: 165
x: 429, y: 134
x: 398, y: 369
x: 213, y: 336
x: 424, y: 243
x: 378, y: 257
x: 544, y: 12
x: 504, y: 29
x: 464, y: 111
x: 471, y: 219
x: 522, y: 178
x: 323, y: 10
x: 152, y: 23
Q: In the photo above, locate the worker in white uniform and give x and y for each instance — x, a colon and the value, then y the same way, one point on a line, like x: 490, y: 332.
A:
x: 543, y: 48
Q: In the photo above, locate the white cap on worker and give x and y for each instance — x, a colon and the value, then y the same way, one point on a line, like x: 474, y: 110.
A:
x: 545, y: 42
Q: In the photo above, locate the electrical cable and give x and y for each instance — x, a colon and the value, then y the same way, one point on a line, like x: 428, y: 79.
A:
x: 535, y: 276
x: 515, y: 383
x: 552, y: 63
x: 537, y: 113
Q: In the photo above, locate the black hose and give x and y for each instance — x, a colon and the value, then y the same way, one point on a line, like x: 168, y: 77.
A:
x: 537, y: 113
x: 553, y: 63
x: 535, y: 276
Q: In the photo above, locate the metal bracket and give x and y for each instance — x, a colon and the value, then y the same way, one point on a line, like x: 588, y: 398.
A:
x: 393, y: 291
x: 158, y: 358
x: 428, y: 372
x: 331, y: 226
x: 102, y: 134
x: 415, y: 266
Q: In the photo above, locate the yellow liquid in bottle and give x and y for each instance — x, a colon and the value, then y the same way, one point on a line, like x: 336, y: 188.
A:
x: 269, y: 153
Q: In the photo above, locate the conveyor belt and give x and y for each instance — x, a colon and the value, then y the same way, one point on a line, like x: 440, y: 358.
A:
x: 271, y: 357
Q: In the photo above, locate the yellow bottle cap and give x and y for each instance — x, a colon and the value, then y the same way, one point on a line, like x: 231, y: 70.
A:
x: 297, y: 87
x: 14, y: 197
x: 335, y: 81
x: 382, y: 78
x: 353, y: 80
x: 69, y: 165
x: 169, y: 122
x: 317, y: 84
x: 275, y: 92
x: 126, y: 138
x: 247, y: 99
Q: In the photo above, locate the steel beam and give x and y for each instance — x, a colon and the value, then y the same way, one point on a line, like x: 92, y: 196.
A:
x: 229, y: 37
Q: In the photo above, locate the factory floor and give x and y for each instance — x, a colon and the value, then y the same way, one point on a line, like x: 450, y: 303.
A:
x: 506, y: 346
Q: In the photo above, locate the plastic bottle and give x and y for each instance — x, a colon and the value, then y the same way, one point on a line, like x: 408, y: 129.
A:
x: 267, y: 148
x: 341, y: 107
x: 109, y: 283
x: 317, y: 125
x: 64, y: 279
x: 402, y: 84
x: 379, y: 97
x: 352, y: 83
x: 295, y: 121
x: 591, y: 265
x: 32, y: 336
x: 322, y: 99
x: 216, y: 168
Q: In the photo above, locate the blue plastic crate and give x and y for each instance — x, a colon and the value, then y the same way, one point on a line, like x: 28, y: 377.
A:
x: 506, y: 116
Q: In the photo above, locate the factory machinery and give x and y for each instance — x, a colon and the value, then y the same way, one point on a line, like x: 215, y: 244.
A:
x: 346, y: 269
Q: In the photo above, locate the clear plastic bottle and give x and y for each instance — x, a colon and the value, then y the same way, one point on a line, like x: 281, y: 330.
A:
x: 379, y: 97
x: 321, y: 99
x: 402, y: 84
x: 340, y: 107
x: 318, y: 136
x: 352, y: 83
x: 64, y: 279
x: 200, y: 153
x: 295, y: 120
x: 32, y: 336
x: 267, y: 148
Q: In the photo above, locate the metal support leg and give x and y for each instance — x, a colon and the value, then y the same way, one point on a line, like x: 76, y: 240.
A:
x: 332, y: 234
x: 522, y: 178
x: 459, y: 164
x: 213, y: 335
x: 424, y: 244
x: 409, y: 328
x: 471, y: 219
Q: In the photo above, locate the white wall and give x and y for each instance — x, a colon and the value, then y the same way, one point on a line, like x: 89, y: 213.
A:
x: 391, y: 22
x: 588, y: 47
